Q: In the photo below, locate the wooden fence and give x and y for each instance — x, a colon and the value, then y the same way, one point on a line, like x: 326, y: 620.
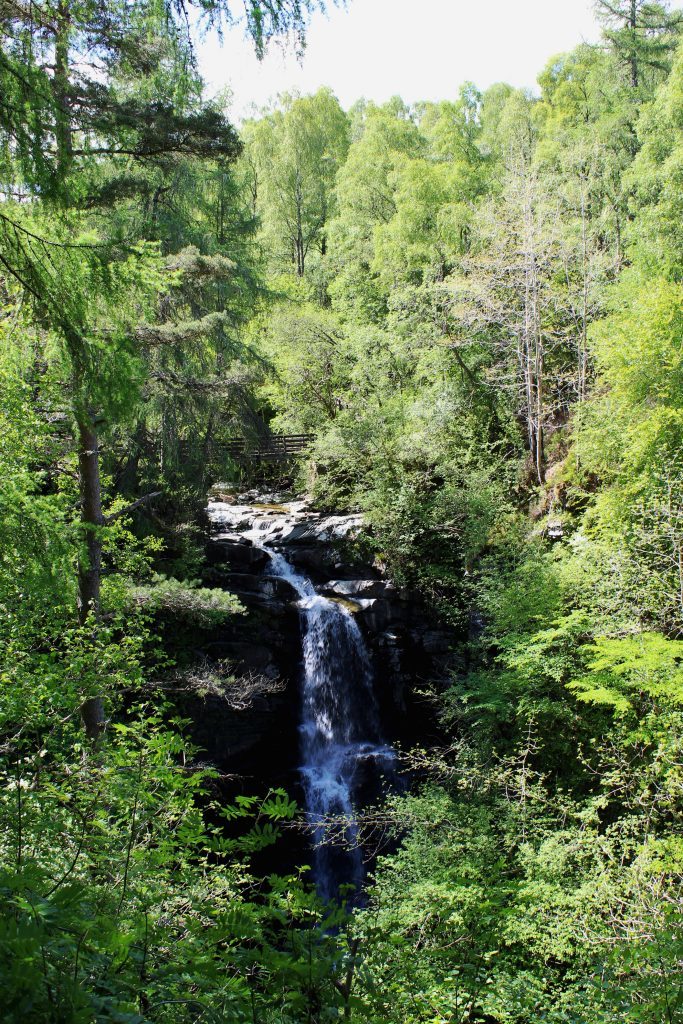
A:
x: 274, y: 448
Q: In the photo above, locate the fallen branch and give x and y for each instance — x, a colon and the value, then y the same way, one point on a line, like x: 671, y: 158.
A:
x: 130, y: 508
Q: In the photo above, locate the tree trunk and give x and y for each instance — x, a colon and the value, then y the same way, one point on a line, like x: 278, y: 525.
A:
x: 633, y: 55
x: 583, y: 337
x: 60, y: 87
x: 127, y: 478
x: 90, y: 565
x: 300, y: 256
x: 300, y: 245
x: 207, y: 447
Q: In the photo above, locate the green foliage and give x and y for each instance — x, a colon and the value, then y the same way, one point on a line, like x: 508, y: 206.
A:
x: 642, y: 34
x: 186, y: 601
x: 292, y: 158
x: 507, y: 902
x: 655, y: 178
x: 311, y: 363
x: 626, y: 673
x: 630, y: 437
x: 120, y: 903
x: 474, y: 308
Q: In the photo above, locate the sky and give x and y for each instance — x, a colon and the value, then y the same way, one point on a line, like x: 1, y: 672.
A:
x: 418, y: 49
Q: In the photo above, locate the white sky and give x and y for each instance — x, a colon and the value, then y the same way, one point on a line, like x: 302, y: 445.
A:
x: 418, y: 49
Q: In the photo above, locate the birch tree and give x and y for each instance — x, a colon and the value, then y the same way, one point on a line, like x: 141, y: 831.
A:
x: 295, y: 153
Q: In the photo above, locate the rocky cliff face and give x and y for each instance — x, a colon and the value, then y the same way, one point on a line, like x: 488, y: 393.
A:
x: 255, y: 735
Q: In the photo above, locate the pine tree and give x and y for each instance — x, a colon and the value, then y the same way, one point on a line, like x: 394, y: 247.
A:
x: 643, y: 34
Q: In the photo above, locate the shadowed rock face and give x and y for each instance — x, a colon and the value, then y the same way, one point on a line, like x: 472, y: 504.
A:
x: 260, y: 741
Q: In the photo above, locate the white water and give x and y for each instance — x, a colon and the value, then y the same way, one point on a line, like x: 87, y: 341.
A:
x: 341, y: 746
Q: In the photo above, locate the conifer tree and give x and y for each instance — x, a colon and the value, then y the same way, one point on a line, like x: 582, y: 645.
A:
x: 93, y: 97
x: 643, y: 34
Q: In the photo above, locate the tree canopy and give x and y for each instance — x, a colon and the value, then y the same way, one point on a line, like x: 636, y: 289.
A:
x: 473, y: 311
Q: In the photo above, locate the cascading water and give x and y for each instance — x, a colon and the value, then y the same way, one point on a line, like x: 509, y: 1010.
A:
x: 341, y: 746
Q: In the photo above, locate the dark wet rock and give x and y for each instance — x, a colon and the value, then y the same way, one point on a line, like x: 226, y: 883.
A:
x: 264, y: 585
x: 315, y: 561
x: 215, y: 576
x: 253, y: 743
x: 375, y: 614
x: 237, y: 552
x: 248, y: 657
x: 476, y: 624
x: 436, y: 641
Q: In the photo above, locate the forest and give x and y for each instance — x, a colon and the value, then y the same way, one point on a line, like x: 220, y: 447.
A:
x: 472, y: 310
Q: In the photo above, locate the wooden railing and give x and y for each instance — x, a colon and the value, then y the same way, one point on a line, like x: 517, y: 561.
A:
x: 273, y: 448
x: 276, y: 448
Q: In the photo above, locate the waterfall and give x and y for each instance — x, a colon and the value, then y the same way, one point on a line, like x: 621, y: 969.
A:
x: 341, y: 744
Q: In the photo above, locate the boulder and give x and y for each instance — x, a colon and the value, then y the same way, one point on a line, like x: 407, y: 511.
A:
x: 262, y: 583
x: 313, y: 560
x: 359, y: 588
x: 271, y: 522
